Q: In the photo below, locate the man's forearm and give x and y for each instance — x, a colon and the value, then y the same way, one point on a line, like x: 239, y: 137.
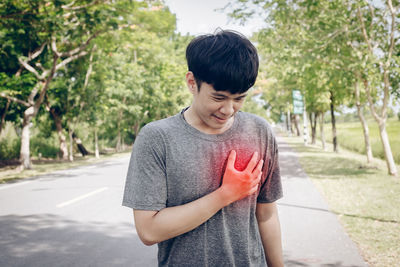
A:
x: 270, y: 231
x: 173, y: 221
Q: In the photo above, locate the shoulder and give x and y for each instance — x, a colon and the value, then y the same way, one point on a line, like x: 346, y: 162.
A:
x: 159, y: 131
x: 253, y: 120
x: 259, y: 126
x: 159, y: 126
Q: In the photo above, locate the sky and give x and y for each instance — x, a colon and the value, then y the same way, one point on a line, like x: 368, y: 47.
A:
x: 200, y: 16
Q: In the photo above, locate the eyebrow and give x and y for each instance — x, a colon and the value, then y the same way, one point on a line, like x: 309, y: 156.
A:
x: 222, y: 95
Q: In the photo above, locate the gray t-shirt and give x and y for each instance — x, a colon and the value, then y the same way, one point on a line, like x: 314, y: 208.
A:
x: 173, y: 163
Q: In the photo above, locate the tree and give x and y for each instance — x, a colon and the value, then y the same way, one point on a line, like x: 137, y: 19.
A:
x: 380, y: 33
x: 42, y: 38
x: 349, y: 36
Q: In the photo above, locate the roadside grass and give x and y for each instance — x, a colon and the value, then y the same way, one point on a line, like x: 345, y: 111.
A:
x: 40, y: 167
x: 365, y: 198
x: 350, y: 136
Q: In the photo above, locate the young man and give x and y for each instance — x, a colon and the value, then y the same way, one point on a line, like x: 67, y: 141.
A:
x: 203, y: 183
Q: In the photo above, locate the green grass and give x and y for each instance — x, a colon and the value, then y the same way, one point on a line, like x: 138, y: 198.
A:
x: 350, y: 136
x: 365, y: 198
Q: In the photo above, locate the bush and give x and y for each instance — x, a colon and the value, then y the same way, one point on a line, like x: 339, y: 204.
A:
x: 44, y: 147
x: 10, y: 149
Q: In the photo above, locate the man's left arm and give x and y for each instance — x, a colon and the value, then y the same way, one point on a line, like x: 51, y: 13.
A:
x: 270, y: 231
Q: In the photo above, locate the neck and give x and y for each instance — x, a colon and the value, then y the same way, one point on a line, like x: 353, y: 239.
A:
x: 196, y: 122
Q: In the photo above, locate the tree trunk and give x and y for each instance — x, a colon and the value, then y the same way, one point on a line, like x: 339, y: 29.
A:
x: 118, y: 146
x: 364, y: 124
x: 296, y: 124
x: 80, y: 146
x: 313, y: 124
x: 321, y: 129
x: 289, y: 126
x: 96, y: 144
x: 31, y: 112
x: 334, y: 136
x: 61, y: 136
x: 71, y: 144
x: 381, y: 120
x: 305, y: 127
x: 25, y: 158
x: 136, y: 128
x: 386, y: 67
x: 3, y: 116
x: 119, y: 139
x: 292, y: 123
x: 387, y: 150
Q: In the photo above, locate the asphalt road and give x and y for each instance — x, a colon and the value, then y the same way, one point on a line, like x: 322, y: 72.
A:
x: 71, y: 218
x: 75, y: 218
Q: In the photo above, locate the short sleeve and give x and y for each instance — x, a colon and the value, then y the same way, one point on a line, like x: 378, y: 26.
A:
x: 145, y: 186
x: 271, y: 186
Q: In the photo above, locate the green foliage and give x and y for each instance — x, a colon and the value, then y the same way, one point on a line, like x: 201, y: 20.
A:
x: 44, y: 147
x: 140, y: 75
x: 329, y: 50
x: 133, y: 73
x: 15, y: 86
x: 254, y: 104
x: 10, y: 144
x: 9, y: 149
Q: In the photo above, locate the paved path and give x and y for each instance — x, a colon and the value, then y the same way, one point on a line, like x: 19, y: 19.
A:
x: 75, y: 218
x: 312, y: 235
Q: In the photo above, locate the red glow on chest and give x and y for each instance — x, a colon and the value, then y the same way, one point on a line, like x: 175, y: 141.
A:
x: 243, y: 156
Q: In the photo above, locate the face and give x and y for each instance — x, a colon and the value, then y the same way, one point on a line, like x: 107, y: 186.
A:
x: 212, y: 111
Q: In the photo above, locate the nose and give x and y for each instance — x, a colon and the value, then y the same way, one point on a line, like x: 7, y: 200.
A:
x: 227, y: 108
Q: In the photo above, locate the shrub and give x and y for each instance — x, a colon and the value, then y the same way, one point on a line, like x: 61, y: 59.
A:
x: 10, y: 149
x: 44, y: 147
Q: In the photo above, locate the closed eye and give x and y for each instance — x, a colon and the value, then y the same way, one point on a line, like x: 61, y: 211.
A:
x: 218, y: 98
x: 240, y: 98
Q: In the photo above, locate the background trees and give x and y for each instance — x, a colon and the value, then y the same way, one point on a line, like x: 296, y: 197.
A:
x: 43, y: 37
x: 328, y: 49
x: 88, y: 68
x: 99, y: 70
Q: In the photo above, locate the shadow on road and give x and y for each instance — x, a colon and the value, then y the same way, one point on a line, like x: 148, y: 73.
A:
x: 51, y: 240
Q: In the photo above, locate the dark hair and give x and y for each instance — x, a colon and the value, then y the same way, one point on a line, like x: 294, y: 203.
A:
x: 227, y: 60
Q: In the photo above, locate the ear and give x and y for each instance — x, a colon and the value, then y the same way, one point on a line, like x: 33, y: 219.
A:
x: 191, y: 82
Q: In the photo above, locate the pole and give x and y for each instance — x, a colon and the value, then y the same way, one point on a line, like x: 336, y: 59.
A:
x: 305, y: 130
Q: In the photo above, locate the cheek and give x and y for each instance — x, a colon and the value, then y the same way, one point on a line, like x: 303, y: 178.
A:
x: 212, y: 107
x: 238, y: 105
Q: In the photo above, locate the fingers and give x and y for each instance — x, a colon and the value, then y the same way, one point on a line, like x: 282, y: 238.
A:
x: 257, y: 180
x: 231, y: 160
x: 259, y: 167
x: 255, y: 184
x: 252, y: 163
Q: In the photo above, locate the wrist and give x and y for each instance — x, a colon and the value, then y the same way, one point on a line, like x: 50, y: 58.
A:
x: 224, y: 195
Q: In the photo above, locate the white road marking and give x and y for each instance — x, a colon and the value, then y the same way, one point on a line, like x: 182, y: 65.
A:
x: 72, y: 201
x: 91, y: 167
x: 14, y: 185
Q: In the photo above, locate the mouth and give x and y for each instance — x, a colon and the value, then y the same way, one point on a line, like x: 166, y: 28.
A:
x: 221, y: 120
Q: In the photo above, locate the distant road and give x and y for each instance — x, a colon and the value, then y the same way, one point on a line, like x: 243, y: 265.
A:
x: 71, y: 218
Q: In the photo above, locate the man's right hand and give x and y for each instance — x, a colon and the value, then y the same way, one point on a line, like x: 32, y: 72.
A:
x: 240, y: 184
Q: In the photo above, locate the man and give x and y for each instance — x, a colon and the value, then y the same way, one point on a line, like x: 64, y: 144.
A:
x: 203, y: 183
